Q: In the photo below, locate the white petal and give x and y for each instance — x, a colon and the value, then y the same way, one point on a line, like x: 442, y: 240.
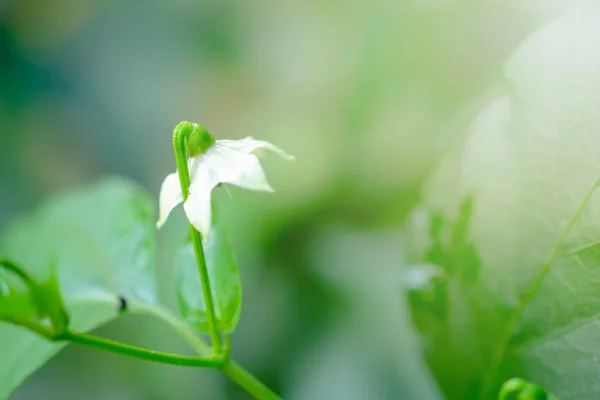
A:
x: 170, y: 197
x: 198, y: 207
x: 249, y: 145
x: 220, y: 165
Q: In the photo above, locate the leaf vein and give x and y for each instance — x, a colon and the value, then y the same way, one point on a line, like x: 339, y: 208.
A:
x: 499, y: 349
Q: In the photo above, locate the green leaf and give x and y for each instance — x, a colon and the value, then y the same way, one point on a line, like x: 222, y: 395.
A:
x: 49, y: 302
x: 101, y: 239
x: 15, y: 299
x: 530, y: 162
x: 224, y: 279
x: 22, y: 298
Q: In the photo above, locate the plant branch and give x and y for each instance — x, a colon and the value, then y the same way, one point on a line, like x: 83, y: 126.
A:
x: 137, y: 352
x: 99, y: 343
x: 222, y: 363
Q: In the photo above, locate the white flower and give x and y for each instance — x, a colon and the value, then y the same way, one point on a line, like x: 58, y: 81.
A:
x: 225, y: 161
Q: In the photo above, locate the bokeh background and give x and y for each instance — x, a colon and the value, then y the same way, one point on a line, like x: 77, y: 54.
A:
x: 366, y: 94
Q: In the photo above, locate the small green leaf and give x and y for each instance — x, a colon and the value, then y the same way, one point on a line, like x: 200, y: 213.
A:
x: 101, y: 240
x: 15, y: 298
x: 224, y: 279
x: 22, y: 298
x: 49, y: 303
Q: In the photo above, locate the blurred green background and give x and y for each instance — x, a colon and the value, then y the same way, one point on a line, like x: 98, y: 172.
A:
x: 366, y: 95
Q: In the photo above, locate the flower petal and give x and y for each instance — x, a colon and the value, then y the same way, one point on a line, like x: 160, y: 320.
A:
x: 220, y: 164
x: 249, y: 145
x: 198, y: 207
x: 170, y: 197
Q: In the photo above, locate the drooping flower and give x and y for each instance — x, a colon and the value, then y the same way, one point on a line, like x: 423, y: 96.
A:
x: 216, y: 161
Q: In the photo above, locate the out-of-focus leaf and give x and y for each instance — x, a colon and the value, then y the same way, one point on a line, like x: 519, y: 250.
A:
x: 101, y: 239
x: 531, y: 164
x: 224, y: 279
x: 520, y: 389
x: 22, y: 298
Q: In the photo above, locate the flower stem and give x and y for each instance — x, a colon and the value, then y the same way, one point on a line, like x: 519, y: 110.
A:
x: 179, y: 135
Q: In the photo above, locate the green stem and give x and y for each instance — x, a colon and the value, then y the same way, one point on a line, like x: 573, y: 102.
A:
x: 136, y: 352
x: 230, y: 368
x: 179, y: 134
x: 99, y: 343
x: 252, y: 385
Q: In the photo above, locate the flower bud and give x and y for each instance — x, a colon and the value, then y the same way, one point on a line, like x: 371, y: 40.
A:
x: 198, y: 141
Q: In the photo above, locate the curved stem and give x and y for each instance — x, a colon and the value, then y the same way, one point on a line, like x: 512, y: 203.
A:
x: 132, y: 351
x: 99, y: 343
x: 179, y: 134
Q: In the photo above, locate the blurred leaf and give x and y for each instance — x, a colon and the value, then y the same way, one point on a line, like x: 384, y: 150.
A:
x: 530, y: 164
x: 224, y: 280
x: 425, y: 287
x: 102, y: 240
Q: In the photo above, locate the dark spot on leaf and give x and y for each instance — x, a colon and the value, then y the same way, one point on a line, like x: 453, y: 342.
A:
x: 122, y: 304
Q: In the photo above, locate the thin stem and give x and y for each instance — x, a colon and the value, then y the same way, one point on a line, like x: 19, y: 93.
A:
x: 246, y: 380
x: 179, y: 134
x: 99, y: 343
x: 124, y: 349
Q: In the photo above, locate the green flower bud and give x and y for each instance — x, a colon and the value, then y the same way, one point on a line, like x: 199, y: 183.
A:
x: 198, y: 140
